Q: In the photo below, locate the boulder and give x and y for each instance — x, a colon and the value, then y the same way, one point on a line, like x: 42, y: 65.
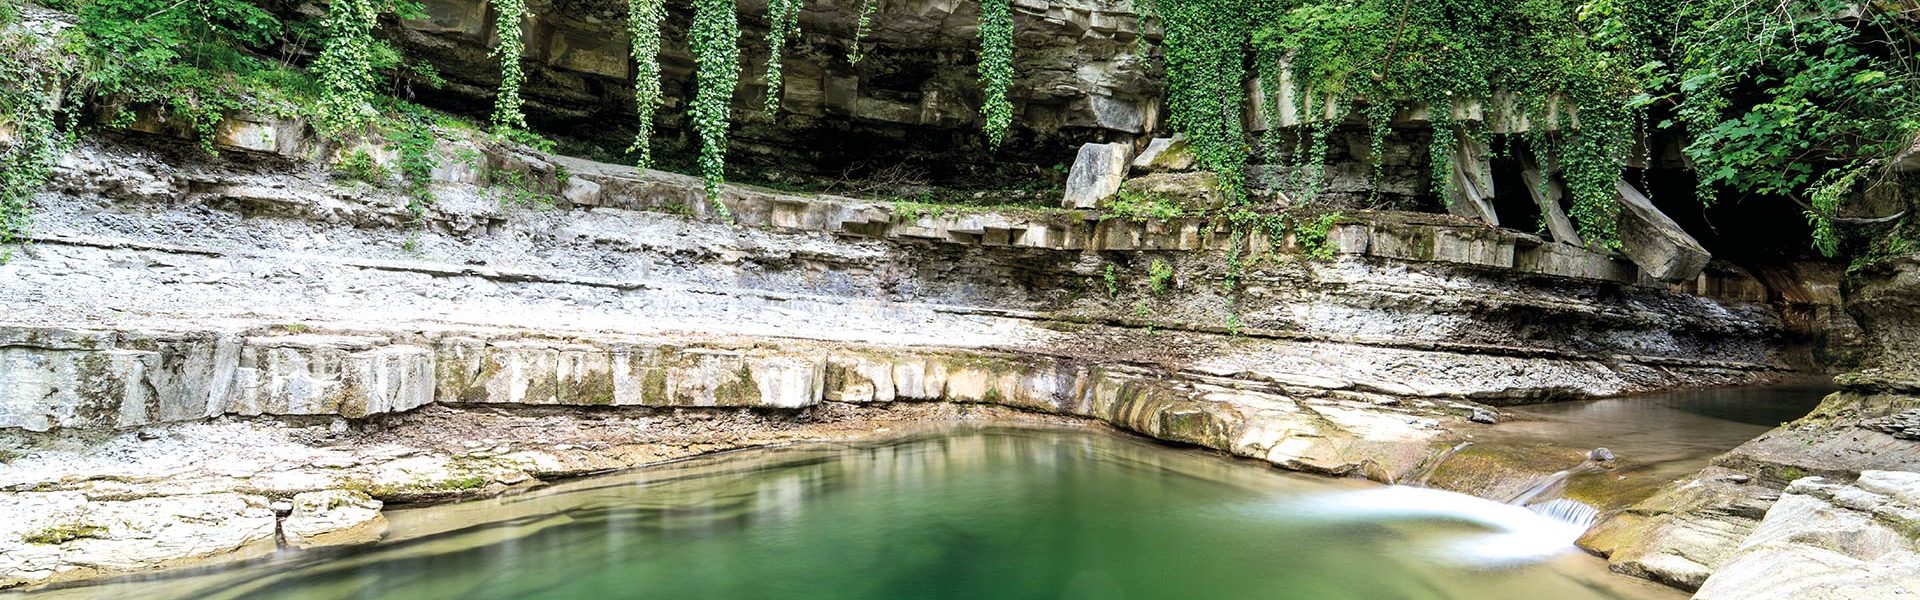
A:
x: 333, y: 518
x: 581, y: 192
x: 1653, y: 241
x: 1164, y: 155
x: 1193, y: 192
x: 1097, y: 172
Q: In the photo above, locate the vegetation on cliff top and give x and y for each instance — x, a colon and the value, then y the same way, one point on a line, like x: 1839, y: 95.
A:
x: 1805, y: 100
x: 1798, y: 100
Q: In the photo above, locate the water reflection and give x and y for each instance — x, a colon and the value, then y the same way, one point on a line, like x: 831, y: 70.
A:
x: 1664, y: 435
x: 970, y: 513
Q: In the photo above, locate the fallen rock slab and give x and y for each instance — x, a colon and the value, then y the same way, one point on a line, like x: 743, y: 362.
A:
x: 333, y: 518
x: 1653, y: 241
x: 1097, y: 172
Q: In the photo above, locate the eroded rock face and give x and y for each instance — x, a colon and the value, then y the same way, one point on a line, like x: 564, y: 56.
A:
x: 1886, y: 300
x: 1694, y: 528
x: 1830, y: 540
x: 1084, y: 70
x: 48, y: 537
x: 333, y: 518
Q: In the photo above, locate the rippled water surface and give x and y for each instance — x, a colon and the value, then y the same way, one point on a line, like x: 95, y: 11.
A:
x: 969, y: 513
x: 1665, y: 435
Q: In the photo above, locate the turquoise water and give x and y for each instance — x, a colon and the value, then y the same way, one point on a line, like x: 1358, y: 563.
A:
x: 971, y: 513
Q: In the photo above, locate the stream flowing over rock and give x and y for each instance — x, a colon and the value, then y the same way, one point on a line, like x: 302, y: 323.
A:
x: 215, y: 356
x: 164, y: 291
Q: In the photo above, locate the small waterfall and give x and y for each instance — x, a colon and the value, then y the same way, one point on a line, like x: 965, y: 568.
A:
x: 1512, y: 534
x: 1572, y: 512
x: 1543, y: 497
x: 1550, y: 487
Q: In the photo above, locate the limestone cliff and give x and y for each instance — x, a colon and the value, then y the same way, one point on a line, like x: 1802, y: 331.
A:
x: 1084, y: 70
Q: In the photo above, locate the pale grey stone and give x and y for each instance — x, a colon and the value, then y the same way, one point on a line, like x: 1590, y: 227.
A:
x: 1096, y: 174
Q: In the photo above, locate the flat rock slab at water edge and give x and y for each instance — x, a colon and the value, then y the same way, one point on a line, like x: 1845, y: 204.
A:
x: 63, y: 536
x: 333, y: 518
x: 1825, y: 540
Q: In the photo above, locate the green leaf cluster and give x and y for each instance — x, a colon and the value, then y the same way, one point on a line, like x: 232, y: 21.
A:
x: 508, y: 107
x: 643, y: 29
x: 716, y: 51
x: 996, y: 67
x: 783, y: 22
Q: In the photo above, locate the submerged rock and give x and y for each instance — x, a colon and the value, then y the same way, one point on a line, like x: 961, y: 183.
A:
x: 333, y: 518
x: 1482, y: 415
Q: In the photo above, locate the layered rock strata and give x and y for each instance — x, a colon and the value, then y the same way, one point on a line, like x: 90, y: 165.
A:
x: 174, y: 309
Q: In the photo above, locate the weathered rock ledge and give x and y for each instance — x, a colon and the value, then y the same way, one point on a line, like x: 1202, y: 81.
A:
x: 110, y: 485
x: 221, y: 336
x: 1692, y: 531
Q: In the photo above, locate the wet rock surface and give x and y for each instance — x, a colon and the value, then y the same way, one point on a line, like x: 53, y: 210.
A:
x: 187, y: 327
x: 1693, y: 528
x: 332, y: 518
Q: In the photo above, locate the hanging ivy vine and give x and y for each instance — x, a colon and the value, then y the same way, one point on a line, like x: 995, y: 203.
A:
x: 643, y: 29
x: 1206, y: 43
x: 783, y: 22
x: 996, y: 67
x: 507, y: 106
x: 716, y: 52
x: 31, y: 110
x: 345, y: 66
x: 860, y: 29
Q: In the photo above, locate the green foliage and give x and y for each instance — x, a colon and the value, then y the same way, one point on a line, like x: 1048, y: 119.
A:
x: 1901, y: 241
x: 1112, y: 277
x: 643, y: 26
x: 1378, y: 56
x: 513, y: 189
x: 783, y: 22
x: 996, y: 67
x: 507, y: 106
x: 361, y: 166
x: 345, y: 66
x: 856, y: 52
x: 190, y: 58
x: 716, y: 53
x: 1141, y: 207
x: 1159, y: 276
x: 415, y: 141
x: 1206, y: 42
x: 1773, y: 96
x: 30, y: 111
x: 1779, y: 96
x: 1312, y: 235
x: 1827, y: 194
